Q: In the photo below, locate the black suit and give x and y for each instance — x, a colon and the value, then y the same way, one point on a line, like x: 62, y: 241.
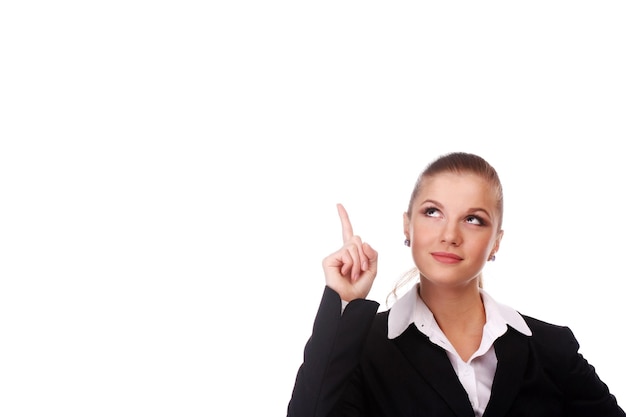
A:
x: 351, y: 368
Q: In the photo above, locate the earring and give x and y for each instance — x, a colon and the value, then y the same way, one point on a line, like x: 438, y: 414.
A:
x: 492, y: 258
x: 407, y: 242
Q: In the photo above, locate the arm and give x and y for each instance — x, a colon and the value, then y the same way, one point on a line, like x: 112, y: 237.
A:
x: 586, y: 394
x: 331, y: 354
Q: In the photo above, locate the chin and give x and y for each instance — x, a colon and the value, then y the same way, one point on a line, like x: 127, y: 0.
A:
x: 447, y: 279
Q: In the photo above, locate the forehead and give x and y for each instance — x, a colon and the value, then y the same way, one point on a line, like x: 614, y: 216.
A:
x: 461, y: 190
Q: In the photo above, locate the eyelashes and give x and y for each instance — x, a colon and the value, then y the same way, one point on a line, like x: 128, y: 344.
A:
x: 478, y: 221
x: 431, y: 211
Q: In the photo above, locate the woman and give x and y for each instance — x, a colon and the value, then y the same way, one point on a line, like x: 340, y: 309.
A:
x: 445, y: 348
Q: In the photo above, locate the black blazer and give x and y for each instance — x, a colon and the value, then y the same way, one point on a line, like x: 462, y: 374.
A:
x: 351, y: 368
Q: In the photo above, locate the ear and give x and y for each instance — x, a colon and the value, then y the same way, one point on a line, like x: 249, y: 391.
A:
x: 496, y: 245
x: 406, y: 226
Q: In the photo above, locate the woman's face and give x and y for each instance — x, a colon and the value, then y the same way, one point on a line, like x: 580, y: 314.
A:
x: 453, y: 227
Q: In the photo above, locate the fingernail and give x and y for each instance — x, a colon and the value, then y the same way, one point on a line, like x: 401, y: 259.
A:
x: 364, y: 266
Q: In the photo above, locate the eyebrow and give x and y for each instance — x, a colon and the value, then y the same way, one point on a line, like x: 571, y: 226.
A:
x: 475, y: 209
x: 471, y: 209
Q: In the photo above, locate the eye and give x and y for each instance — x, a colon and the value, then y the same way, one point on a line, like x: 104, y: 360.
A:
x: 432, y: 212
x: 475, y: 220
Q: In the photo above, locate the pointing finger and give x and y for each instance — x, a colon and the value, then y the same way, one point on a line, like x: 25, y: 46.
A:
x: 346, y: 226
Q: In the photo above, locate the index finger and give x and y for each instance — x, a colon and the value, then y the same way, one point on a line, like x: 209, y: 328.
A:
x: 346, y: 226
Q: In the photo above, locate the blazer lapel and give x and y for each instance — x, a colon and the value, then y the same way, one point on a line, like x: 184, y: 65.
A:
x: 433, y: 364
x: 512, y: 353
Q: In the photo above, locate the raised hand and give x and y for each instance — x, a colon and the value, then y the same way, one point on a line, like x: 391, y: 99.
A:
x: 351, y: 270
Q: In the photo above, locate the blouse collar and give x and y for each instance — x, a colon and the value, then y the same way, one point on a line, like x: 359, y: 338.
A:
x: 410, y: 308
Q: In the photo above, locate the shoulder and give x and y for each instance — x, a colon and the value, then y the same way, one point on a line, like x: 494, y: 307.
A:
x: 554, y: 341
x: 556, y: 349
x: 379, y: 329
x: 544, y: 330
x: 381, y: 322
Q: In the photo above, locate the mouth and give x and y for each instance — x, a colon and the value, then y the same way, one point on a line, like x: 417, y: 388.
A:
x: 446, y: 257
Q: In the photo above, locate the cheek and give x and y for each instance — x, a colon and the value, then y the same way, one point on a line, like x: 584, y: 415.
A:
x: 483, y: 246
x: 425, y: 232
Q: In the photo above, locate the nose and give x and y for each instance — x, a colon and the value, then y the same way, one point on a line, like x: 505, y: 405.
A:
x: 451, y: 234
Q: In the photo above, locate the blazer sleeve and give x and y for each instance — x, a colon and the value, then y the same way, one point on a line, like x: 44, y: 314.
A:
x: 331, y: 354
x: 586, y: 394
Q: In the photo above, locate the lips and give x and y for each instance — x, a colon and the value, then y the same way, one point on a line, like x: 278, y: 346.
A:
x: 446, y: 257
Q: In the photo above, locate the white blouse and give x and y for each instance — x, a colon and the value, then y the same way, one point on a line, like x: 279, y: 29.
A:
x: 476, y: 375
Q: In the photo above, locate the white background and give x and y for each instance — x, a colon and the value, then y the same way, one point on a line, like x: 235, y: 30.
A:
x: 169, y: 173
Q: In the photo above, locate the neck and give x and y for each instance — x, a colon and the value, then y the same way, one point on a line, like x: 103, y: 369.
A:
x: 455, y: 308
